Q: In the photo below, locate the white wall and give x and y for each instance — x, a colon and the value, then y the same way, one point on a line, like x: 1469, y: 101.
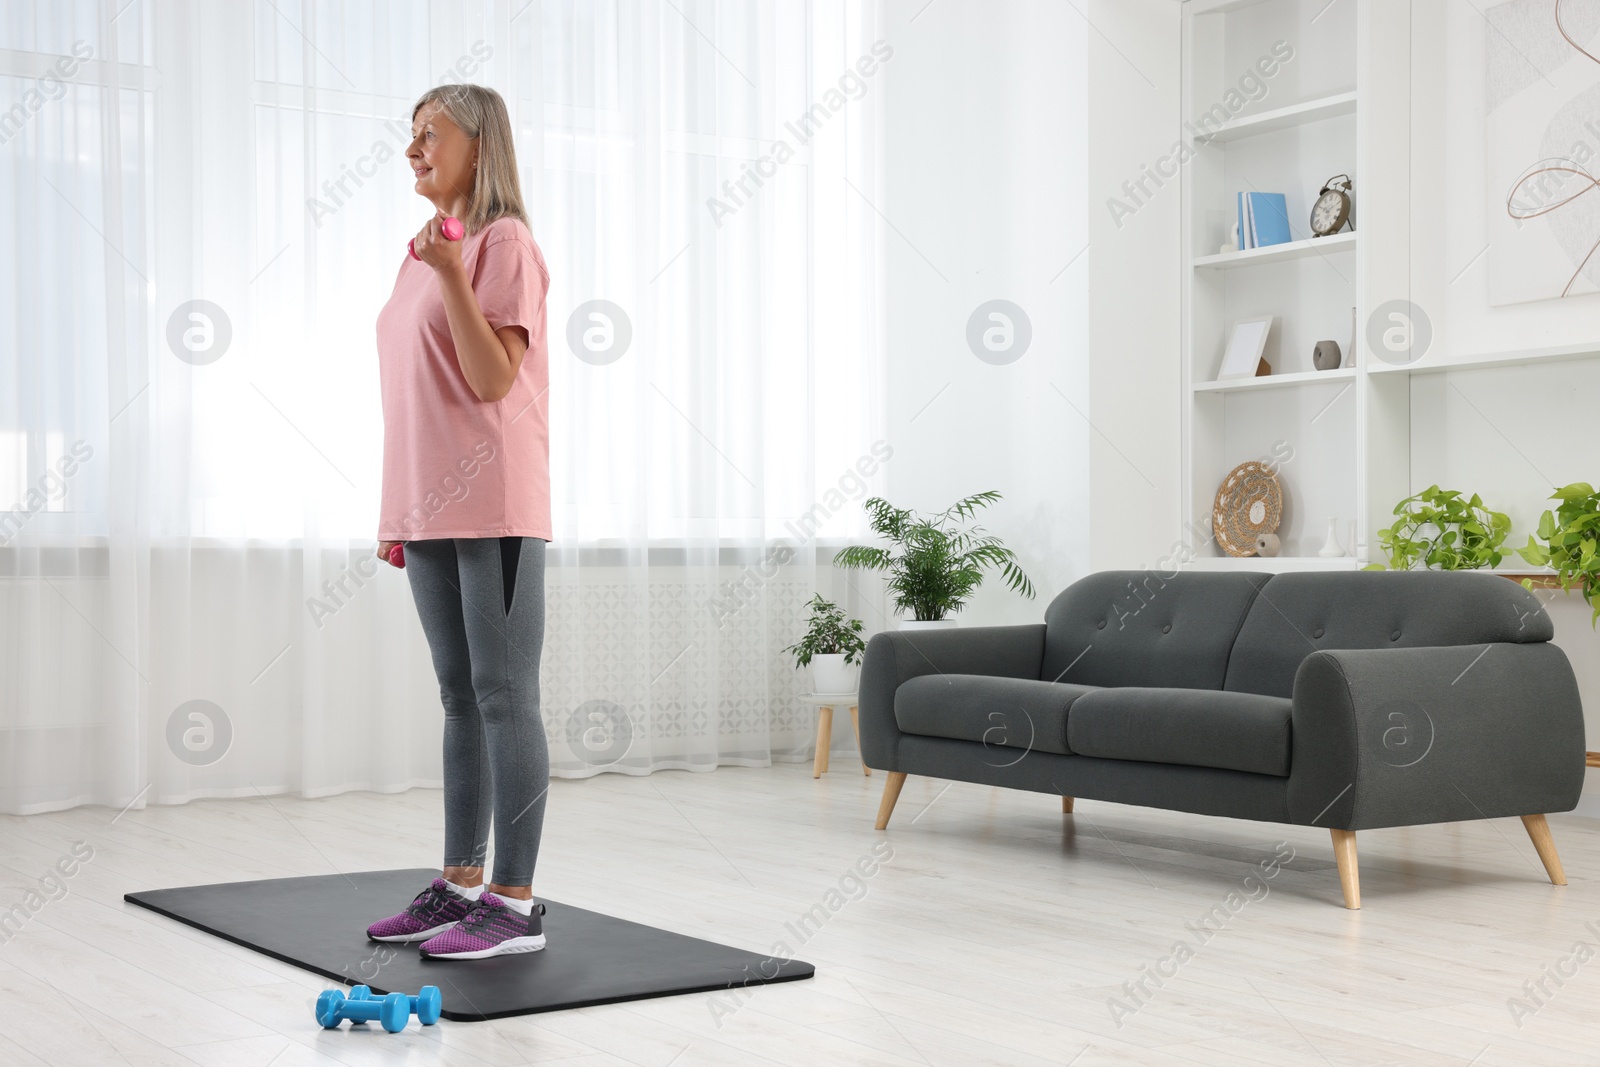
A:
x: 990, y: 157
x: 985, y: 181
x: 1135, y: 296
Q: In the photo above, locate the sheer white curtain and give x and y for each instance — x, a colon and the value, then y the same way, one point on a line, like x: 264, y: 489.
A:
x: 207, y: 208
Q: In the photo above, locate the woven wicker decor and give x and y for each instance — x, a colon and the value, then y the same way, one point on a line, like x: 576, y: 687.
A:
x: 1249, y: 503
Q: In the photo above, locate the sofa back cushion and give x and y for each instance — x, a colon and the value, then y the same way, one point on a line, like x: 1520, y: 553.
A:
x: 1299, y: 613
x: 1148, y: 629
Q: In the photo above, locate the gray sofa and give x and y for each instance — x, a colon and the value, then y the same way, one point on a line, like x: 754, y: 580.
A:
x: 1345, y: 700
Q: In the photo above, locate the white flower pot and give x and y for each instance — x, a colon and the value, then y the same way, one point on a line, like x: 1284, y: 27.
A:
x: 919, y: 624
x: 831, y: 674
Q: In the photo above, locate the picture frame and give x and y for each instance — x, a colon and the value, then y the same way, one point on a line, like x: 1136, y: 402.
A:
x: 1247, y: 340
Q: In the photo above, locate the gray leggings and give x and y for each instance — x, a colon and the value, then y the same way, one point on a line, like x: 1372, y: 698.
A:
x: 481, y: 601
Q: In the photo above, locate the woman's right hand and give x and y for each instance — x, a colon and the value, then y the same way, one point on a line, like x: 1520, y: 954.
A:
x: 435, y: 249
x: 385, y: 547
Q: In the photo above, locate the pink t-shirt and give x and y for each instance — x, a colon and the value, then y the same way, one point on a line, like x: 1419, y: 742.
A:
x: 453, y: 465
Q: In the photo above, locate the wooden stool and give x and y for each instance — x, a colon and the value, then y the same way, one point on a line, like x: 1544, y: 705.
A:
x: 827, y: 702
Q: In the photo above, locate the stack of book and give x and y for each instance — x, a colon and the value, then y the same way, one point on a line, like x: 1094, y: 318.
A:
x: 1263, y: 220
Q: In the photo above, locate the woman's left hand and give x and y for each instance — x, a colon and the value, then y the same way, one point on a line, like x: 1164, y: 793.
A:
x: 435, y: 249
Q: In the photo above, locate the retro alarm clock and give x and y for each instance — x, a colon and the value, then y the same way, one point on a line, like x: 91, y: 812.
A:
x: 1332, y: 208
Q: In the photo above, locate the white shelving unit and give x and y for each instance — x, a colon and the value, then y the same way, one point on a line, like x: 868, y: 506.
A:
x: 1277, y: 564
x: 1284, y: 133
x: 1499, y: 403
x: 1284, y: 117
x: 1434, y: 363
x: 1277, y: 381
x: 1254, y: 257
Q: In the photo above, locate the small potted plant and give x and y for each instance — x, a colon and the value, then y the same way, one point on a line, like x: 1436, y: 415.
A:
x: 832, y: 648
x: 1570, y: 538
x: 1440, y: 529
x: 935, y: 564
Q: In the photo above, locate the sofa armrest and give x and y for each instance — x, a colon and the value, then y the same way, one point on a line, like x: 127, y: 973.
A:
x: 896, y: 656
x: 1406, y: 736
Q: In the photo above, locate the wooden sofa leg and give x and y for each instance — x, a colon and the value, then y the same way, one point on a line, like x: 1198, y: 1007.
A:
x: 1344, y: 851
x: 891, y: 793
x: 1539, y: 831
x: 1066, y: 805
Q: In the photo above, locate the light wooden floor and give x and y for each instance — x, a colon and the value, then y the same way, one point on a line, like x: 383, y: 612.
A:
x: 995, y: 934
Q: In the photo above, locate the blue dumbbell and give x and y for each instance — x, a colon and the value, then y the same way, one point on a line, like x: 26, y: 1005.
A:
x: 426, y: 1005
x: 333, y: 1008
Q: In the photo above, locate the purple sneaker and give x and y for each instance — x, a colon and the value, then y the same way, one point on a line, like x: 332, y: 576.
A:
x: 436, y: 909
x: 490, y: 929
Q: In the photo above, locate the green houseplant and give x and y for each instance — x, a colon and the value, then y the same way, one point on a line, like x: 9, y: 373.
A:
x: 934, y: 563
x: 1569, y: 539
x: 1441, y: 529
x: 832, y: 647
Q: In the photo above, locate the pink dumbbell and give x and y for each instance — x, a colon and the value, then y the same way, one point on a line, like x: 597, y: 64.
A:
x: 453, y: 231
x: 397, y: 556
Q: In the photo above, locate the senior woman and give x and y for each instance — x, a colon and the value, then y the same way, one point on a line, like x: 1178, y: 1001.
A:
x: 466, y: 489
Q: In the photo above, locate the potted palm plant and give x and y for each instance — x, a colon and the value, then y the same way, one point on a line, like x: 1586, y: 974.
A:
x: 935, y: 563
x: 832, y: 647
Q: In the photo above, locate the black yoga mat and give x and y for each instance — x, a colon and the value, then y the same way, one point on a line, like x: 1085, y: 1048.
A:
x: 319, y: 923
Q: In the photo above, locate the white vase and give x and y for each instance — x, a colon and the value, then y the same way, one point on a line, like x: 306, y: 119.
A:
x: 926, y: 624
x: 831, y: 674
x: 1330, y: 548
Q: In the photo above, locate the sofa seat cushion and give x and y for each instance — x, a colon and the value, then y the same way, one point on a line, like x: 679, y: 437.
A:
x: 998, y: 712
x: 1194, y: 727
